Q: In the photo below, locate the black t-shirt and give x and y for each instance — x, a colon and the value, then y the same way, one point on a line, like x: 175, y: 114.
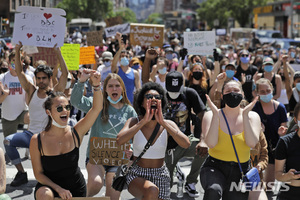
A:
x: 179, y: 111
x: 201, y: 91
x: 288, y: 147
x: 247, y: 86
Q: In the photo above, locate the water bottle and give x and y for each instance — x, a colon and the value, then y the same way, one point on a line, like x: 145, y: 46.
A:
x: 179, y: 189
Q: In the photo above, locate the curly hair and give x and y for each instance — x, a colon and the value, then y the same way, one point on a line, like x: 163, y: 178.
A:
x: 139, y: 98
x: 44, y: 68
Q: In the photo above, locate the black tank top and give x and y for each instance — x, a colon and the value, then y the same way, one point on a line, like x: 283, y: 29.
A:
x: 63, y: 169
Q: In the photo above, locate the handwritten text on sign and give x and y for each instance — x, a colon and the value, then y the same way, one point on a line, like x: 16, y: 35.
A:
x: 47, y: 54
x: 146, y: 35
x: 105, y: 151
x: 200, y: 42
x: 121, y: 28
x: 87, y: 55
x: 39, y: 29
x: 71, y: 53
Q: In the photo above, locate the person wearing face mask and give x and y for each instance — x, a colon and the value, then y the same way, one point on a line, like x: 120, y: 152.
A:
x: 159, y: 71
x: 130, y: 76
x: 274, y: 122
x: 292, y: 55
x: 181, y: 101
x: 215, y: 91
x: 274, y: 78
x: 169, y: 56
x: 248, y: 70
x: 287, y: 161
x: 55, y: 151
x: 105, y: 68
x: 221, y: 168
x: 38, y: 118
x: 115, y: 112
x: 135, y: 64
x: 3, y: 66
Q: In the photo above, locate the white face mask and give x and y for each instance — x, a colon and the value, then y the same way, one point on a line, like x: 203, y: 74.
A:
x: 54, y: 123
x: 174, y: 95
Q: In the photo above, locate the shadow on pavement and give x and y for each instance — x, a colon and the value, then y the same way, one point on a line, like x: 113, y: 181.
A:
x: 23, y: 190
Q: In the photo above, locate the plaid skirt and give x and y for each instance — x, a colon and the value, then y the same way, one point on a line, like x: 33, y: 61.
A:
x: 159, y: 176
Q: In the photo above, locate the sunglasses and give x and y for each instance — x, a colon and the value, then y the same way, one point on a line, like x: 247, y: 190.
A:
x: 244, y: 55
x: 60, y: 108
x: 156, y: 96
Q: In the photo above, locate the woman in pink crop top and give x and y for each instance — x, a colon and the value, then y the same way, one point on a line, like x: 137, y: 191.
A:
x: 150, y: 178
x: 220, y: 172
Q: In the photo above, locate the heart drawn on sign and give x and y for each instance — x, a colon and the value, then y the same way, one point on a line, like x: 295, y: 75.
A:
x: 47, y: 15
x: 156, y: 37
x: 54, y: 35
x: 29, y: 35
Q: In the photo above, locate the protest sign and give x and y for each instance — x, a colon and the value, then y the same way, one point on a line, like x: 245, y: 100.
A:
x: 122, y: 28
x: 70, y: 53
x: 105, y: 151
x: 147, y: 35
x: 113, y: 21
x: 87, y: 55
x: 238, y: 33
x: 296, y: 67
x: 42, y: 27
x: 200, y: 42
x: 47, y: 54
x: 30, y: 49
x: 94, y: 38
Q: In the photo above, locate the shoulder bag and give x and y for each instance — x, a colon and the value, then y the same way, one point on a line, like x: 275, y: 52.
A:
x: 119, y: 180
x: 251, y: 179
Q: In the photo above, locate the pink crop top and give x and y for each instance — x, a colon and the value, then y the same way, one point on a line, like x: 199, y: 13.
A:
x: 155, y: 151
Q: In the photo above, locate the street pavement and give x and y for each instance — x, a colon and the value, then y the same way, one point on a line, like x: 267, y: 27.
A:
x: 26, y: 191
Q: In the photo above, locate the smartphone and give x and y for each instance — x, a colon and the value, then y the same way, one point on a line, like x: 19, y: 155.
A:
x: 296, y: 172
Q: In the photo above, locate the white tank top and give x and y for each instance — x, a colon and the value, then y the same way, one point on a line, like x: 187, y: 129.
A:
x: 283, y: 97
x: 156, y: 151
x: 157, y: 80
x: 37, y: 114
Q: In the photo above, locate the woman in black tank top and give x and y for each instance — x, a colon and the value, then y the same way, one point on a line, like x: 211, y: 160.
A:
x: 55, y: 151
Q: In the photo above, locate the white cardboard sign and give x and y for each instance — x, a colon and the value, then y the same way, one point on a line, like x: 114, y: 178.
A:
x: 41, y: 27
x: 121, y: 28
x: 200, y: 42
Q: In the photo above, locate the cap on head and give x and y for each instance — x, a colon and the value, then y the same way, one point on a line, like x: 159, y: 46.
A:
x: 135, y: 60
x: 231, y: 64
x: 169, y: 49
x: 244, y: 51
x: 174, y: 81
x: 268, y: 60
x: 106, y: 55
x: 297, y: 75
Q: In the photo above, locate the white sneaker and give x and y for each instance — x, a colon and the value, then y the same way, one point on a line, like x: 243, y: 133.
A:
x: 191, y: 190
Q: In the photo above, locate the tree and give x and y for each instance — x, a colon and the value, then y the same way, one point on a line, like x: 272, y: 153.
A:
x: 127, y: 15
x: 154, y: 18
x: 97, y: 10
x: 240, y: 10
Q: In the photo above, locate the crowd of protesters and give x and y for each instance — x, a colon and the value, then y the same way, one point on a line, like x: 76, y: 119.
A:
x: 246, y: 89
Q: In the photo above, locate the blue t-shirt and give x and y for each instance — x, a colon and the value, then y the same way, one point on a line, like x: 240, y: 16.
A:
x: 128, y: 80
x: 271, y: 122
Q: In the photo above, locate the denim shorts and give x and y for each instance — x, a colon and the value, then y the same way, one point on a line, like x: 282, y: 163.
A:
x: 106, y: 167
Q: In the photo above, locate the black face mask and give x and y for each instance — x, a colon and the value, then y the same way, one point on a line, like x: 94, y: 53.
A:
x: 3, y: 70
x: 197, y: 75
x: 232, y: 99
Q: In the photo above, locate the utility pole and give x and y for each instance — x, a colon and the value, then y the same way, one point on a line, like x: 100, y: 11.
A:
x: 292, y: 20
x: 1, y: 26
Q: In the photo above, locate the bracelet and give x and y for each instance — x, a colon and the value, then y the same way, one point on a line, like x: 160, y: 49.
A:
x: 96, y: 88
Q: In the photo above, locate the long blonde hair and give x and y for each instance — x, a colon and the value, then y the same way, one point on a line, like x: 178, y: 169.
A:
x: 105, y: 115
